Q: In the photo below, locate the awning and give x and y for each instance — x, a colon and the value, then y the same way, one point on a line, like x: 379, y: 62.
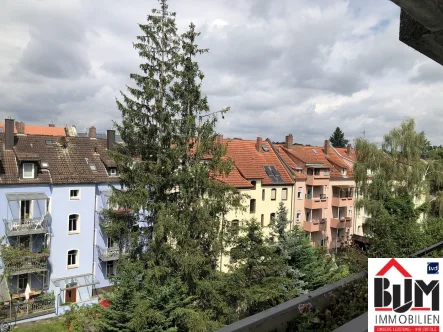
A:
x: 79, y: 281
x: 26, y: 196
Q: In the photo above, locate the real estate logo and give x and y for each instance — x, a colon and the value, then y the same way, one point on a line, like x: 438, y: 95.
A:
x: 401, y: 301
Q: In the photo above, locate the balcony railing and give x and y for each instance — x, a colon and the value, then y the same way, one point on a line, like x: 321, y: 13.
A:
x: 342, y: 222
x: 27, y: 226
x: 33, y: 308
x: 109, y: 254
x: 27, y: 266
x: 280, y: 317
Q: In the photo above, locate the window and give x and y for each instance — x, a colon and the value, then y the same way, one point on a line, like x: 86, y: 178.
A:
x: 253, y: 183
x: 326, y: 172
x: 235, y: 227
x: 25, y: 210
x: 323, y: 243
x: 74, y: 194
x: 22, y: 282
x: 343, y: 171
x: 273, y: 194
x: 28, y: 170
x: 317, y: 171
x: 72, y: 259
x: 25, y: 241
x: 93, y: 167
x: 298, y: 218
x: 272, y: 216
x: 284, y: 194
x: 262, y: 220
x: 299, y: 193
x: 263, y: 195
x: 110, y: 243
x: 325, y: 213
x: 350, y: 212
x: 252, y: 206
x: 73, y: 224
x: 112, y: 171
x: 110, y: 269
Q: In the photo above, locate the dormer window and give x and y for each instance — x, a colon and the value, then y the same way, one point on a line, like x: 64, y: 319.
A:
x: 343, y: 171
x: 28, y: 170
x: 112, y: 171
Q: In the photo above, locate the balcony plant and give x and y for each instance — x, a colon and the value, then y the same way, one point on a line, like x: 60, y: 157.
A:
x: 19, y: 255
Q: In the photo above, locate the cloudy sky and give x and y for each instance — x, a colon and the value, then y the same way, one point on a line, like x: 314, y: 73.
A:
x: 284, y: 66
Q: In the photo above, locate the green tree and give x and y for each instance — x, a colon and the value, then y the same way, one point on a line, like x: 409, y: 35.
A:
x: 259, y: 278
x: 337, y: 139
x: 390, y: 196
x: 169, y: 167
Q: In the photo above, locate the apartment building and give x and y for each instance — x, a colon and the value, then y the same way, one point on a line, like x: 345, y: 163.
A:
x: 52, y: 189
x: 260, y: 174
x: 324, y: 190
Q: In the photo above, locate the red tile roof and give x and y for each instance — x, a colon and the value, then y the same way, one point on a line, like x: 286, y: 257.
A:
x: 40, y: 130
x: 249, y: 163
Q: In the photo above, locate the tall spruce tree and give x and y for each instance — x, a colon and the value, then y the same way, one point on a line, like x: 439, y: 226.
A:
x: 168, y: 168
x: 337, y: 139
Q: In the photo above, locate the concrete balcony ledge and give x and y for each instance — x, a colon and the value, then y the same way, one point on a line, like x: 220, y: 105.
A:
x: 316, y: 225
x: 341, y: 223
x: 278, y: 317
x: 27, y: 267
x: 109, y: 254
x: 342, y: 201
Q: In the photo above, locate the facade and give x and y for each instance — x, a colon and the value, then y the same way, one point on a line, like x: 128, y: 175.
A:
x: 260, y: 174
x: 52, y: 189
x: 324, y: 191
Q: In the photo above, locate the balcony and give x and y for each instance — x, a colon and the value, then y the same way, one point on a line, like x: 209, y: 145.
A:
x: 26, y: 310
x: 342, y: 201
x: 316, y: 202
x: 326, y: 302
x: 27, y: 266
x: 27, y: 226
x: 317, y: 180
x: 315, y: 225
x: 343, y: 222
x: 109, y: 254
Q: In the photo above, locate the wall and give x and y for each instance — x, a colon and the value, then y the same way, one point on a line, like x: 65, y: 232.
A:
x: 299, y: 204
x: 262, y: 207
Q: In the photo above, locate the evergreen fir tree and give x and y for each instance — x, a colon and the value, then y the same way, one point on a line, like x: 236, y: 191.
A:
x: 168, y: 167
x: 337, y: 139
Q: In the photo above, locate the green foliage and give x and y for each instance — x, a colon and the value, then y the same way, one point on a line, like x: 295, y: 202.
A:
x: 260, y: 277
x: 347, y: 303
x: 337, y: 139
x: 81, y: 318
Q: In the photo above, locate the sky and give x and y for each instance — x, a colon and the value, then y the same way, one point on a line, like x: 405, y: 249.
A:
x: 285, y: 66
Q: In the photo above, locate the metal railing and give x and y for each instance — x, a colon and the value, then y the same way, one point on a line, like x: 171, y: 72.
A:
x: 18, y: 227
x: 109, y: 254
x: 278, y: 317
x: 27, y: 266
x: 24, y: 310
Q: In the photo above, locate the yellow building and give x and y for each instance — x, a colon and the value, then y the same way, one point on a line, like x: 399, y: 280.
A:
x: 258, y: 173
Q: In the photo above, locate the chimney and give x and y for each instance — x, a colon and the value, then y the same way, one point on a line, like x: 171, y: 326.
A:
x: 110, y: 139
x: 20, y: 126
x: 289, y: 141
x: 327, y: 144
x: 219, y: 139
x: 9, y: 134
x: 348, y: 149
x: 258, y: 144
x: 92, y: 132
x: 51, y: 125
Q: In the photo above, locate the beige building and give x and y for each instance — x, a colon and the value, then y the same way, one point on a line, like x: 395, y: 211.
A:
x: 260, y: 174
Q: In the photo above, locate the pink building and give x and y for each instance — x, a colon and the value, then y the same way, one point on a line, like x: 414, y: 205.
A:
x: 324, y: 190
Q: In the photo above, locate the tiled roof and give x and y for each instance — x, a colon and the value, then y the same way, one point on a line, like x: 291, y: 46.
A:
x: 250, y: 163
x: 39, y: 130
x: 69, y: 159
x: 344, y: 153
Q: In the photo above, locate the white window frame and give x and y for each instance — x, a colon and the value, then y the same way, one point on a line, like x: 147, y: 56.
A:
x: 326, y: 172
x: 31, y: 208
x: 111, y: 170
x: 77, y: 259
x: 343, y: 171
x: 77, y: 231
x: 110, y: 240
x: 285, y: 196
x: 298, y: 216
x: 32, y: 171
x: 18, y: 281
x: 300, y: 193
x: 74, y: 198
x: 273, y: 194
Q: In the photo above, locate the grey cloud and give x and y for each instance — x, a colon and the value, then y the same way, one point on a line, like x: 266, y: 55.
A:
x: 428, y: 72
